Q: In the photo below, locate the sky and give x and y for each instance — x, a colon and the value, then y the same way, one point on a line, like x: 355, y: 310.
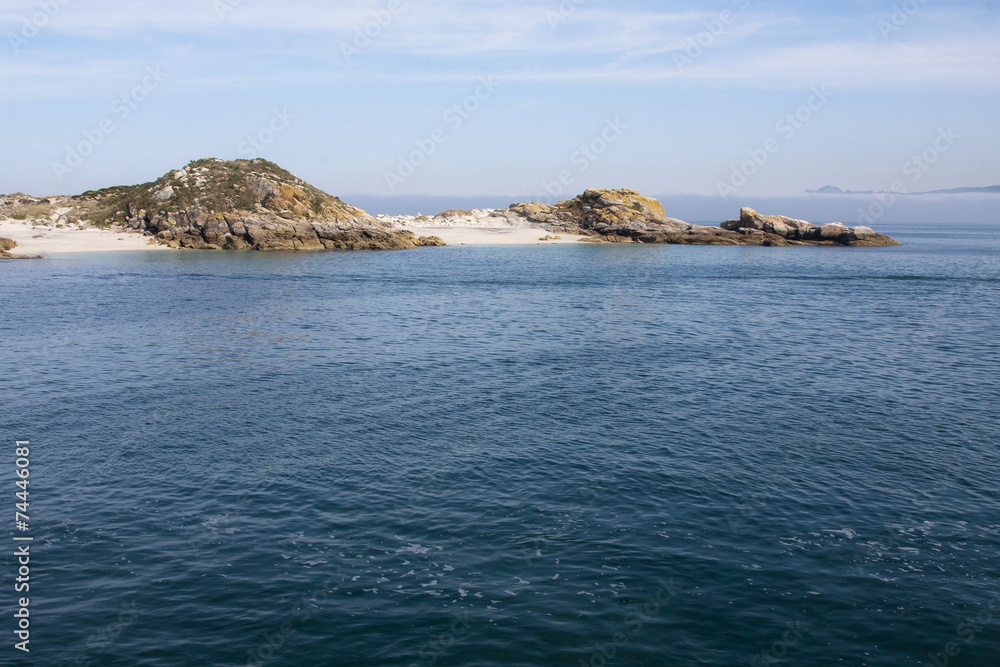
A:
x: 539, y: 100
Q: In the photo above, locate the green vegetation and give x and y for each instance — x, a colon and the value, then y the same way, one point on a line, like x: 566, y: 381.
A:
x: 215, y: 186
x: 208, y: 185
x: 317, y: 204
x: 32, y: 212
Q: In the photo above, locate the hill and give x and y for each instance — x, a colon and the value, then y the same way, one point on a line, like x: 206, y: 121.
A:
x: 220, y: 204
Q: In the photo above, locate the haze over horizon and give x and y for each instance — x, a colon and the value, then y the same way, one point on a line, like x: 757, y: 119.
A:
x: 733, y: 100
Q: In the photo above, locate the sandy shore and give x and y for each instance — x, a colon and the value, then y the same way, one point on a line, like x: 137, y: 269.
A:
x: 47, y: 240
x: 491, y: 236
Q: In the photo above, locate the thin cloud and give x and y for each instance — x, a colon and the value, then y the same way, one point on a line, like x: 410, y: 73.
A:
x: 447, y: 41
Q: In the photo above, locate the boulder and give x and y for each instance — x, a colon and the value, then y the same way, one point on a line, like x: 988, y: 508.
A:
x: 617, y: 215
x: 779, y: 230
x: 625, y: 216
x: 832, y: 231
x: 9, y: 244
x: 779, y: 225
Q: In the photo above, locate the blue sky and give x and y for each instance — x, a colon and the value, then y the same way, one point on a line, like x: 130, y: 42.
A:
x: 664, y: 97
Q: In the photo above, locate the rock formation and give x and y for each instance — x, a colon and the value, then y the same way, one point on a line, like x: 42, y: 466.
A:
x: 627, y: 216
x: 617, y: 216
x: 247, y: 204
x: 215, y: 204
x: 255, y: 204
x: 779, y: 230
x: 8, y: 244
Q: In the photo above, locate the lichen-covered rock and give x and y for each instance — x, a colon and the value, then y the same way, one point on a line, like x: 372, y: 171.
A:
x: 627, y: 216
x: 619, y: 216
x: 244, y: 204
x: 779, y: 230
x: 622, y: 214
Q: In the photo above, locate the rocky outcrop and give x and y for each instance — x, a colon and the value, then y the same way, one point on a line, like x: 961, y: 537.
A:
x: 254, y: 204
x: 627, y: 216
x: 618, y: 216
x: 779, y: 230
x: 199, y: 229
x: 9, y: 244
x: 251, y: 204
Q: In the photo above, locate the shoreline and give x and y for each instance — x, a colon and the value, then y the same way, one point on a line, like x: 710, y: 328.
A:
x: 45, y: 240
x: 48, y: 240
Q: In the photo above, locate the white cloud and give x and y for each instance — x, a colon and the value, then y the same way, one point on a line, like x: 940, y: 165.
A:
x: 256, y: 44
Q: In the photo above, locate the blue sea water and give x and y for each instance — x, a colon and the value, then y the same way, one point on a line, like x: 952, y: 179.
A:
x: 565, y: 455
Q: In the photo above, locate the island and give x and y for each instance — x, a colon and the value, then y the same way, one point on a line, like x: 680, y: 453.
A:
x: 214, y: 204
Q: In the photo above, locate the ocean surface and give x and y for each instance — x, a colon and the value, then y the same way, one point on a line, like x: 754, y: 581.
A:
x: 493, y: 456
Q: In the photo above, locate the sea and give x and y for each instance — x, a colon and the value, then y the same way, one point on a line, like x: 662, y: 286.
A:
x: 571, y: 455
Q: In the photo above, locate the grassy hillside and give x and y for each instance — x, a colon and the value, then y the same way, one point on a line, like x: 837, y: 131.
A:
x: 217, y: 186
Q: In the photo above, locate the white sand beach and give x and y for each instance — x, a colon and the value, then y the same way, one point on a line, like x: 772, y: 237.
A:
x: 492, y: 236
x: 48, y: 240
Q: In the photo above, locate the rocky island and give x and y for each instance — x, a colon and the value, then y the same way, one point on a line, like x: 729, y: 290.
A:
x: 625, y: 216
x: 214, y: 204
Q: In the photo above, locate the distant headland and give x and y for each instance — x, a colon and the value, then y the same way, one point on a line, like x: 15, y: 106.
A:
x: 834, y: 190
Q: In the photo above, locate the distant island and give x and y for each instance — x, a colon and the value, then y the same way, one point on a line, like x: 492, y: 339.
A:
x: 833, y: 190
x: 214, y: 204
